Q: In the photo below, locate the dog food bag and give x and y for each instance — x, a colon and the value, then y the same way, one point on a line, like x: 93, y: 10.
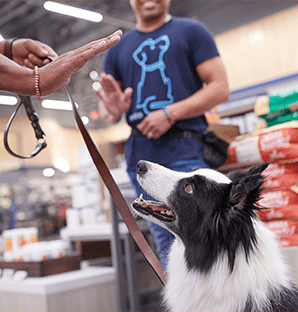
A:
x: 280, y: 176
x: 281, y: 204
x: 289, y: 240
x: 283, y: 227
x: 277, y: 144
x: 286, y: 231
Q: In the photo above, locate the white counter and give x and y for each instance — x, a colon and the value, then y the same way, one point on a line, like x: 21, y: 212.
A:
x: 91, y: 289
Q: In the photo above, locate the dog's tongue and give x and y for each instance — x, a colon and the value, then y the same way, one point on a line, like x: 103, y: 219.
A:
x: 155, y: 206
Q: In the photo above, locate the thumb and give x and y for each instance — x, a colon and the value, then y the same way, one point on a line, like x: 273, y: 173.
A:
x: 128, y: 93
x: 40, y: 49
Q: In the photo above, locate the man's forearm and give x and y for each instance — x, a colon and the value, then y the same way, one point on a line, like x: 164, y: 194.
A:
x: 198, y: 103
x: 15, y: 78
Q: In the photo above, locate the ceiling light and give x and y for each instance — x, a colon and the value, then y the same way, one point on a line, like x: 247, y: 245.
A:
x: 8, y: 100
x: 94, y: 75
x: 72, y: 11
x: 96, y: 86
x: 62, y: 164
x: 85, y: 120
x: 48, y: 172
x: 54, y: 104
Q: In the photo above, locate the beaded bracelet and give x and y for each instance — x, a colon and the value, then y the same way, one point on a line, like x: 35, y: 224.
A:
x: 168, y: 116
x: 36, y: 83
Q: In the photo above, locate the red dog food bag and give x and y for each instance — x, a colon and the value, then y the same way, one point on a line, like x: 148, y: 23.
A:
x: 286, y: 231
x: 280, y: 176
x: 277, y: 144
x: 289, y: 240
x: 281, y: 204
x: 283, y: 227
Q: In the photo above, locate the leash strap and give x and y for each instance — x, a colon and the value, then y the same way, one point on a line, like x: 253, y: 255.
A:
x: 39, y: 134
x: 103, y: 171
x: 118, y: 197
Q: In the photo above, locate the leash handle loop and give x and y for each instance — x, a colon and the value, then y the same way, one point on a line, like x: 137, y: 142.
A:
x: 39, y: 134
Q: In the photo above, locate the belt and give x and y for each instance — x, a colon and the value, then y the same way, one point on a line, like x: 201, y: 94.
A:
x: 174, y: 131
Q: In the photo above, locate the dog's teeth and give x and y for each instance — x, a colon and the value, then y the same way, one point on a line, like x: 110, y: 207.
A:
x: 163, y: 212
x: 140, y: 200
x: 170, y: 213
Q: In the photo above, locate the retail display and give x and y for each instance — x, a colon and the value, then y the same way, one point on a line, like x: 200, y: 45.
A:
x: 279, y: 145
x: 278, y: 108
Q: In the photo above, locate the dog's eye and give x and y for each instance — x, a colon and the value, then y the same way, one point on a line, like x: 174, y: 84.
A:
x: 189, y: 188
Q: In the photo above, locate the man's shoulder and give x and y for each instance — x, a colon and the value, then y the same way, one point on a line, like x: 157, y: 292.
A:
x: 187, y: 22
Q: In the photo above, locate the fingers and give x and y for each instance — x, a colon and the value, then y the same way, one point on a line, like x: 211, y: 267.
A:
x: 36, y: 48
x: 154, y: 125
x: 97, y: 93
x: 33, y: 60
x: 113, y: 39
x: 108, y: 83
x: 83, y: 54
x: 50, y: 51
x: 128, y: 93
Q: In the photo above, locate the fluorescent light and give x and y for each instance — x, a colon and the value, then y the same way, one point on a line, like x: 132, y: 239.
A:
x: 8, y: 100
x: 72, y: 11
x: 54, y: 104
x: 96, y: 86
x: 62, y: 164
x: 48, y: 172
x: 85, y: 120
x: 94, y: 75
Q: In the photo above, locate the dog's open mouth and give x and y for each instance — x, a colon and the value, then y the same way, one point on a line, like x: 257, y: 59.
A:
x: 156, y: 209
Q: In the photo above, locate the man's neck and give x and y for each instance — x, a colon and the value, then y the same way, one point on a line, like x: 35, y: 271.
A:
x: 151, y: 24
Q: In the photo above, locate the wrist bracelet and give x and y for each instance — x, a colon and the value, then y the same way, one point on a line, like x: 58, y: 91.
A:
x: 168, y: 116
x: 8, y: 47
x: 36, y: 82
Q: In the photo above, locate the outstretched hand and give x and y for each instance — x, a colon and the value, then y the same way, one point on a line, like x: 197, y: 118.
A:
x: 56, y: 75
x: 113, y: 98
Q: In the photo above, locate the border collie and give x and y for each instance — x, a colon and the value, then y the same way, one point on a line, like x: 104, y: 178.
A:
x: 223, y: 258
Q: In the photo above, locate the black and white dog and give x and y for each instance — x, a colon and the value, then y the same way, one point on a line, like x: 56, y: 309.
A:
x: 223, y: 258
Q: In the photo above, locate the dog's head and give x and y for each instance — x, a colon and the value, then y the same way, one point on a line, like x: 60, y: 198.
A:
x: 209, y: 211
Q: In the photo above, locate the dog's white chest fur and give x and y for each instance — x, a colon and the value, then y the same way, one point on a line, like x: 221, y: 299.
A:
x: 219, y: 290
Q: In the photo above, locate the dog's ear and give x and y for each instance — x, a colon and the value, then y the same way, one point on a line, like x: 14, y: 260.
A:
x: 245, y: 189
x: 239, y: 174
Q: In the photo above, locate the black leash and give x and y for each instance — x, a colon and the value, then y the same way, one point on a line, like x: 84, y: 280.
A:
x: 39, y: 134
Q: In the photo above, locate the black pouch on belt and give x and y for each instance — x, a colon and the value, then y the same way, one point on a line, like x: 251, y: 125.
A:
x: 215, y: 149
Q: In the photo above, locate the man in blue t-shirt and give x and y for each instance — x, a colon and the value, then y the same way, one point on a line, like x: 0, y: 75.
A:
x: 166, y: 71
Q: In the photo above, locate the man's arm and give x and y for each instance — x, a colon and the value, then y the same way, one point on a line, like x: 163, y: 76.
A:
x: 55, y: 75
x: 215, y: 91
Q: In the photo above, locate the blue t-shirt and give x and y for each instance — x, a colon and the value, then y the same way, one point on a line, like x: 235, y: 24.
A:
x: 160, y: 66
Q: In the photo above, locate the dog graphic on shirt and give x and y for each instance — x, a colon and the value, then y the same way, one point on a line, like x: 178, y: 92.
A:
x: 149, y: 56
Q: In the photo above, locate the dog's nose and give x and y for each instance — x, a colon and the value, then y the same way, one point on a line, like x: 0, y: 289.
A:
x: 142, y: 167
